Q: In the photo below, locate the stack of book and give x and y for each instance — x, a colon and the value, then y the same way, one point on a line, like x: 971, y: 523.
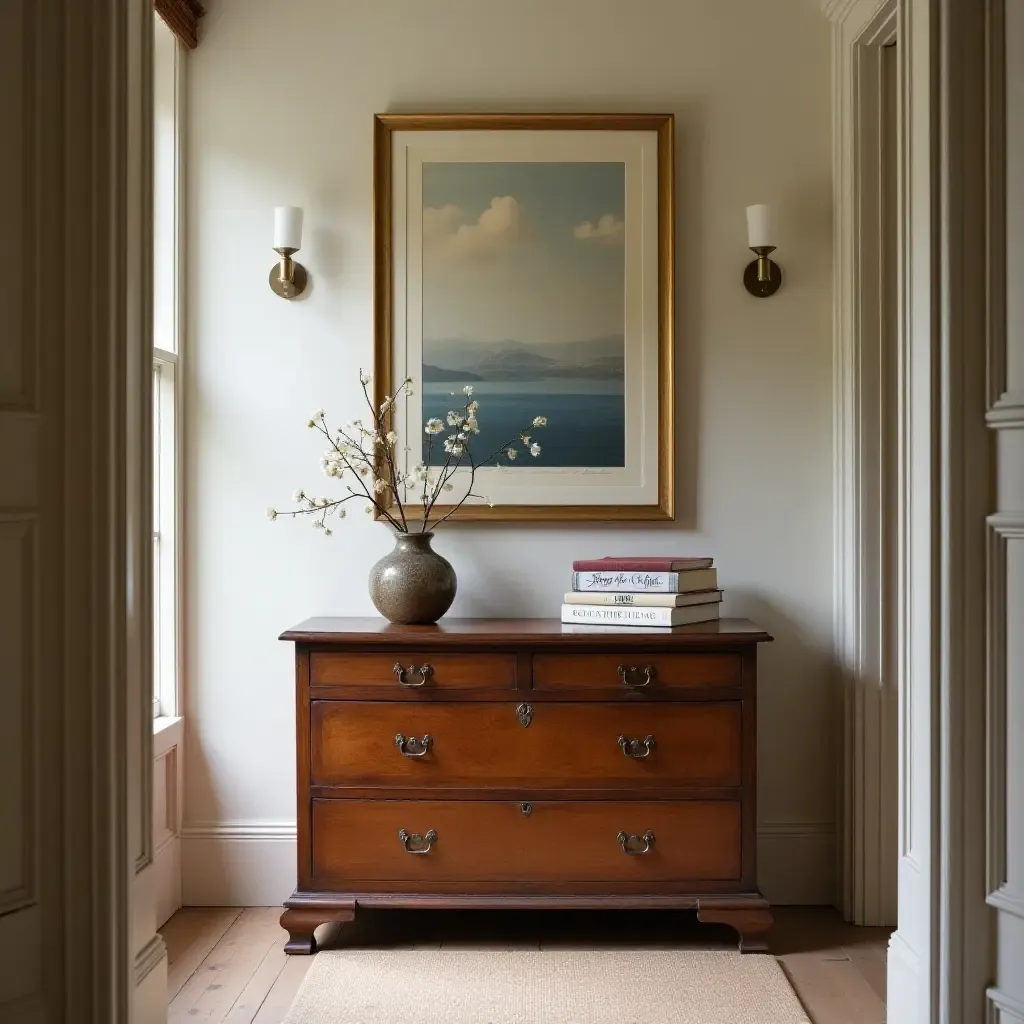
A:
x: 646, y: 591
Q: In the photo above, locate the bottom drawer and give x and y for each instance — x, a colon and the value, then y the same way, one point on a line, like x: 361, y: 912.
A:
x: 585, y: 841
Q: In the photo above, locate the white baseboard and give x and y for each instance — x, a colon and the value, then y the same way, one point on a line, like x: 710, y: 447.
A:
x: 796, y: 863
x: 252, y: 864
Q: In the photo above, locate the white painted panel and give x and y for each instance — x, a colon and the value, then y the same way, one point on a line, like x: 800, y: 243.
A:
x: 19, y: 458
x: 17, y: 600
x: 1015, y: 197
x: 12, y: 124
x: 1015, y: 714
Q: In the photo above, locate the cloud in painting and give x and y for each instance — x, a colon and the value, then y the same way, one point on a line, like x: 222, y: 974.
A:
x: 609, y: 230
x: 446, y: 233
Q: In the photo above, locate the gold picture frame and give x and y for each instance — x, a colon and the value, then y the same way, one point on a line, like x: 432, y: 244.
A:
x: 657, y: 500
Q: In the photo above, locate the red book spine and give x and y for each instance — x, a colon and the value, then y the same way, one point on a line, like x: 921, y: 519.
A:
x: 644, y: 564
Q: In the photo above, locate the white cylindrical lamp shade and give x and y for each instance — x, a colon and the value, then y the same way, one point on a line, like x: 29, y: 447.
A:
x: 760, y: 230
x: 288, y: 227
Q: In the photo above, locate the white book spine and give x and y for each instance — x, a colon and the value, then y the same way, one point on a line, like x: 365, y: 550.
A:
x: 626, y: 582
x: 633, y: 616
x: 644, y: 600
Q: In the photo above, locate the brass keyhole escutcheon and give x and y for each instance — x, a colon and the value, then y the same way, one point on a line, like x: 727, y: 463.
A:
x: 526, y: 808
x: 525, y: 715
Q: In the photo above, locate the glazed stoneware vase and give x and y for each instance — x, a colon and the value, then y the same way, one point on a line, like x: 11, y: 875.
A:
x: 412, y: 584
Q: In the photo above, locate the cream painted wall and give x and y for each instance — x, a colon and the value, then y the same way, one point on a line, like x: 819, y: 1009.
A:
x: 280, y: 111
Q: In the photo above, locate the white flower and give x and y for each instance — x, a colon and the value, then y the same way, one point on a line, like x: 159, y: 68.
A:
x: 318, y: 414
x: 453, y: 446
x: 327, y: 531
x: 540, y: 421
x: 299, y: 495
x: 320, y: 502
x: 511, y: 453
x: 364, y: 471
x: 472, y: 407
x: 390, y: 438
x: 454, y: 419
x: 419, y: 473
x: 379, y: 486
x: 341, y: 512
x: 468, y: 389
x: 535, y: 449
x: 317, y: 524
x: 449, y: 487
x: 525, y: 438
x: 364, y: 378
x: 434, y: 426
x: 471, y: 425
x: 385, y: 405
x: 311, y: 424
x: 369, y: 509
x: 271, y: 514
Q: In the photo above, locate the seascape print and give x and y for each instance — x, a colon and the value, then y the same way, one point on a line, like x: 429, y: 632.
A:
x: 523, y: 298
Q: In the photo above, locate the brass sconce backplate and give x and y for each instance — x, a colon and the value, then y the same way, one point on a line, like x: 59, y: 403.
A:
x: 762, y: 277
x: 288, y: 289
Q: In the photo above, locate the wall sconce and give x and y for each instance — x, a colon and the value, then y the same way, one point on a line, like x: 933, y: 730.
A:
x: 762, y: 277
x: 288, y: 278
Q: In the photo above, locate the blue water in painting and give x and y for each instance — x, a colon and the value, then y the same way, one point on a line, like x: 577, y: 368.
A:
x: 586, y: 419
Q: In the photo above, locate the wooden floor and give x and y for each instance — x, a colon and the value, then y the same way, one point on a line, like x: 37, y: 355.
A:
x: 228, y: 965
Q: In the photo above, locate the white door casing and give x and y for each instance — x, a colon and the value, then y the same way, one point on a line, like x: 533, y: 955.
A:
x: 864, y: 441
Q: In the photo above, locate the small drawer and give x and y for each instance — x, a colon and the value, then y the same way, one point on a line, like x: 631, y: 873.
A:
x: 412, y: 671
x: 544, y: 746
x: 635, y: 671
x: 357, y: 841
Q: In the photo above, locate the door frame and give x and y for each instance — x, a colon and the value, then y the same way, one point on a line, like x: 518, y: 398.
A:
x: 951, y: 343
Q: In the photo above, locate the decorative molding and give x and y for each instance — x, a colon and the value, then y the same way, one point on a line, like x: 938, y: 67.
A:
x: 243, y: 831
x: 1002, y: 527
x: 1009, y: 901
x: 1008, y: 1010
x: 1006, y: 412
x: 149, y: 957
x: 182, y: 18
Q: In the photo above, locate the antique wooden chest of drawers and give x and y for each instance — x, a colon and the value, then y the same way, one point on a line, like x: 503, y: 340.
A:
x: 522, y: 763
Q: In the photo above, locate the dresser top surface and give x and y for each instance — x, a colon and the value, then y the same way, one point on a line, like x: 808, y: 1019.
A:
x: 539, y: 632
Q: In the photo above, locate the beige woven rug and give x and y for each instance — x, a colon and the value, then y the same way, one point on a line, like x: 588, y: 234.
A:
x: 544, y: 987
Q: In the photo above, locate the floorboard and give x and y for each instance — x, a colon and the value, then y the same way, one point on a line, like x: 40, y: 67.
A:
x: 227, y: 965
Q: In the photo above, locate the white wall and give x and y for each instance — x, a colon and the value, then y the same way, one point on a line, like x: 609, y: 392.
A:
x: 281, y: 105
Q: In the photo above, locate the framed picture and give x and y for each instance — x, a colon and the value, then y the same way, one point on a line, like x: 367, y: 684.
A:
x: 530, y: 258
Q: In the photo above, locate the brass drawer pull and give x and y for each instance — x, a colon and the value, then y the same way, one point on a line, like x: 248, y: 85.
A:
x: 424, y: 672
x: 636, y: 749
x: 629, y: 843
x: 628, y: 675
x: 410, y: 746
x: 422, y: 844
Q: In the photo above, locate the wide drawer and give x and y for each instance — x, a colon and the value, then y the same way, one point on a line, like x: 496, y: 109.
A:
x: 411, y: 671
x: 504, y: 745
x: 635, y: 671
x: 471, y: 841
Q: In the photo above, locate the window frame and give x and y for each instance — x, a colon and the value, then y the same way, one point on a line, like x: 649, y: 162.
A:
x: 168, y: 345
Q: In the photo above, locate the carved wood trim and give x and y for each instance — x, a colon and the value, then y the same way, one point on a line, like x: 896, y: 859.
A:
x: 182, y: 18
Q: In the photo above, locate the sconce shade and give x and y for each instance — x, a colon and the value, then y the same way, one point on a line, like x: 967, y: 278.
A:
x: 288, y: 227
x: 760, y: 230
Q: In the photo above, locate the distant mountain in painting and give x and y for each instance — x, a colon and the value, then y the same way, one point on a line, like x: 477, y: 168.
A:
x: 508, y: 360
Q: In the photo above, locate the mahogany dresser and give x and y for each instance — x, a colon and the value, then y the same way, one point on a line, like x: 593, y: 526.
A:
x: 522, y: 763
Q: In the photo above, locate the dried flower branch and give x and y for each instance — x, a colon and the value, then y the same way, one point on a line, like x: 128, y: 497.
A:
x: 367, y: 455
